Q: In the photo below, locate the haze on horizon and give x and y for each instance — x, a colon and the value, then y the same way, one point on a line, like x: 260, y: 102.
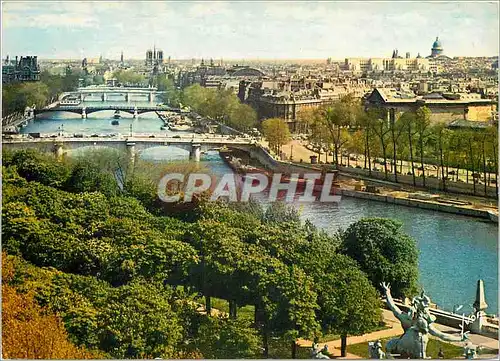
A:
x: 247, y: 30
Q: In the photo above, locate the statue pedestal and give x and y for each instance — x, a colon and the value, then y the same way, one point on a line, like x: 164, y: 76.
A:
x: 477, y: 325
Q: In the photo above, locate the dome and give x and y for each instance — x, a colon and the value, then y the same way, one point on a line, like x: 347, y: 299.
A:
x: 437, y: 44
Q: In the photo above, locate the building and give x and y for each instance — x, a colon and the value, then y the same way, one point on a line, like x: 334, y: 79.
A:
x: 437, y: 48
x: 21, y: 70
x: 154, y: 57
x: 395, y: 63
x: 444, y: 107
x: 273, y: 99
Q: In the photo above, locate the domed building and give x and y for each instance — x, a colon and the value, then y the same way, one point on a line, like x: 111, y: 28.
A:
x: 437, y: 48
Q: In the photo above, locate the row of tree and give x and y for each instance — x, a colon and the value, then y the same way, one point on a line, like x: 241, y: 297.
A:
x: 124, y: 278
x: 17, y: 96
x: 221, y: 105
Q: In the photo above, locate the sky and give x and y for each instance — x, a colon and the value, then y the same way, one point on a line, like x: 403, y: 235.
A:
x: 247, y: 30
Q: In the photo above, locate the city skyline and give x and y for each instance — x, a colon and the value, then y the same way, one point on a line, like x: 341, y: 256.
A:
x: 243, y: 30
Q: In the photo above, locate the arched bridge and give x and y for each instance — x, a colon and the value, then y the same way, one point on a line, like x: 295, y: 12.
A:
x: 85, y: 110
x: 104, y: 92
x: 133, y: 145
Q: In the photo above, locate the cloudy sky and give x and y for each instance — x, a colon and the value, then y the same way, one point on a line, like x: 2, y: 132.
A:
x: 254, y: 29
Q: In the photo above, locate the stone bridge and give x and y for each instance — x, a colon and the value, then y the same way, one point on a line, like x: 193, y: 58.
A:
x: 132, y: 145
x: 104, y: 92
x: 85, y: 110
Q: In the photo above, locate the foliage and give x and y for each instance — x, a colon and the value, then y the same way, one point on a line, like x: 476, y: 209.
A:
x: 122, y: 273
x: 384, y: 252
x: 276, y: 132
x: 30, y: 331
x: 223, y: 338
x: 221, y: 105
x: 128, y: 77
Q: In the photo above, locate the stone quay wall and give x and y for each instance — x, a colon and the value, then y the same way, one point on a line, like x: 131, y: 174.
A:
x: 430, y: 183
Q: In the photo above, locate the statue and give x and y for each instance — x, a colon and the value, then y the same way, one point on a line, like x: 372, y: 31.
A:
x: 417, y: 324
x: 316, y: 353
x: 375, y: 350
x: 470, y: 352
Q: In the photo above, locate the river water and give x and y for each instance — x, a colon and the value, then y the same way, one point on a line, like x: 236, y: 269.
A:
x: 455, y: 251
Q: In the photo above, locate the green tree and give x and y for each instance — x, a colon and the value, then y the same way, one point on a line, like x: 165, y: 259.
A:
x: 128, y: 77
x: 242, y: 117
x: 382, y: 128
x: 276, y: 132
x: 384, y: 252
x: 348, y: 302
x: 338, y: 117
x: 222, y: 338
x: 422, y: 123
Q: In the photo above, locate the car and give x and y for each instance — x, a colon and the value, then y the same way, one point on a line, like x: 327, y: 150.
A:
x: 152, y: 136
x: 176, y: 136
x: 95, y: 135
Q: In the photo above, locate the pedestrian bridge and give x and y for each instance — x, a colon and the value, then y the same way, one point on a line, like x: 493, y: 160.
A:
x: 132, y: 145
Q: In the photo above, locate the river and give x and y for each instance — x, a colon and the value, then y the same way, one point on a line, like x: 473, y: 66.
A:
x: 455, y: 251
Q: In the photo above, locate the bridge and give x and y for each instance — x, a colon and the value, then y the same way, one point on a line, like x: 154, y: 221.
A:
x: 193, y: 145
x: 84, y: 110
x: 103, y: 92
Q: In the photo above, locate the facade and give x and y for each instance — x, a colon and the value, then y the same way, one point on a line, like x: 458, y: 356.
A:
x: 444, y: 107
x: 154, y: 57
x: 272, y: 99
x: 386, y: 64
x: 21, y: 70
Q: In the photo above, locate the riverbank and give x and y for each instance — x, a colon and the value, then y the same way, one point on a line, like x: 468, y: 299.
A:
x: 403, y: 198
x: 389, y: 192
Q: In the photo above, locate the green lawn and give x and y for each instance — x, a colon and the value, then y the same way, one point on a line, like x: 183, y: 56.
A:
x: 450, y: 351
x: 246, y: 312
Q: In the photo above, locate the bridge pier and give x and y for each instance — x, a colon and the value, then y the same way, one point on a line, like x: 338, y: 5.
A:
x: 84, y: 113
x: 104, y: 97
x: 136, y: 114
x: 151, y: 97
x: 127, y: 97
x: 131, y: 152
x: 195, y: 152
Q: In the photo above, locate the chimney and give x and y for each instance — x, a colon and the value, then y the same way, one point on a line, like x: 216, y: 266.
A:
x: 480, y: 303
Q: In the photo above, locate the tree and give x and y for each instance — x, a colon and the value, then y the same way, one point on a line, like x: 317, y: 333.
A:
x: 440, y: 136
x: 348, y: 302
x: 30, y: 331
x: 171, y: 95
x: 381, y: 127
x: 276, y: 132
x: 319, y: 136
x: 384, y: 252
x: 338, y: 117
x: 422, y: 123
x: 408, y: 120
x: 128, y: 77
x: 397, y: 129
x: 222, y: 338
x: 242, y: 117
